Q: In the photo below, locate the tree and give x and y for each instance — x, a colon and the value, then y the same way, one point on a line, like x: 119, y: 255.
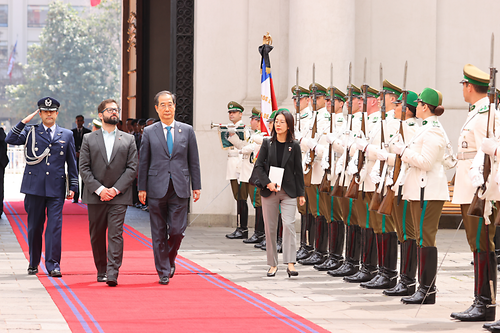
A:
x: 77, y: 62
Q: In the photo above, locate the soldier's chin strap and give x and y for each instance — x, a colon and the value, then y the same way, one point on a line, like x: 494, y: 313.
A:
x: 35, y: 159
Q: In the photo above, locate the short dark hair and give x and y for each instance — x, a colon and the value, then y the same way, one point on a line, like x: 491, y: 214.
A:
x: 101, y: 106
x: 479, y: 89
x: 289, y: 123
x: 164, y: 92
x: 142, y: 122
x: 80, y: 116
x: 134, y: 121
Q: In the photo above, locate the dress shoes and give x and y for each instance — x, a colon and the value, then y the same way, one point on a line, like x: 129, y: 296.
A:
x: 102, y: 277
x: 316, y: 258
x: 303, y: 253
x: 112, y: 282
x: 172, y: 270
x: 55, y: 273
x: 291, y: 273
x: 270, y: 273
x: 330, y: 264
x: 32, y: 270
x: 423, y: 295
x: 238, y: 234
x: 255, y: 239
x: 261, y: 244
x: 164, y: 280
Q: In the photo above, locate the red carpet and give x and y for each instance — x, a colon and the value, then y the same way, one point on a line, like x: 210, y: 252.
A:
x: 196, y: 300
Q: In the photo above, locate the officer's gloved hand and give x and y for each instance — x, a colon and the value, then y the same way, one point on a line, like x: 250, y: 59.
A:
x: 476, y: 177
x: 382, y: 154
x: 330, y: 137
x: 489, y: 146
x: 361, y: 144
x: 399, y: 148
x: 312, y: 143
x: 231, y: 130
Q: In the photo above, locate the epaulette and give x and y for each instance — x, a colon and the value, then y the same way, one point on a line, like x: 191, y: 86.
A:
x: 411, y: 124
x: 305, y: 115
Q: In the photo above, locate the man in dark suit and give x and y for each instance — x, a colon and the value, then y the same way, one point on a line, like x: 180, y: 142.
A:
x: 4, y: 160
x: 108, y: 166
x: 78, y: 134
x: 168, y: 164
x: 49, y: 149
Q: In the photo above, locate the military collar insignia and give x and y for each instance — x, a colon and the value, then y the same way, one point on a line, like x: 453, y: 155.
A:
x: 304, y: 115
x: 484, y: 109
x: 472, y: 107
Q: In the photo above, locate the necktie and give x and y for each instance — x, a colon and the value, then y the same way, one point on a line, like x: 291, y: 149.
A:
x: 48, y: 132
x: 170, y: 140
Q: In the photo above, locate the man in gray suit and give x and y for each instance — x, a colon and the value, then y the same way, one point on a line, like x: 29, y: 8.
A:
x: 108, y: 166
x: 168, y: 165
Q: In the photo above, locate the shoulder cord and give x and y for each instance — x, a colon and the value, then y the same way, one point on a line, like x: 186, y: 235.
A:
x: 35, y: 159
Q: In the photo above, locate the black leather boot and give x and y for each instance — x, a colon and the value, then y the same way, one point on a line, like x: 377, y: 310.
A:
x: 259, y: 233
x: 476, y: 279
x: 336, y: 231
x: 407, y: 270
x: 482, y: 309
x: 368, y: 268
x: 350, y: 266
x: 306, y: 248
x: 427, y: 269
x: 319, y: 254
x: 387, y: 273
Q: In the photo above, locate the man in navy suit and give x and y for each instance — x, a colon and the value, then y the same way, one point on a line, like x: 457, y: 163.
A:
x: 49, y: 149
x: 168, y: 165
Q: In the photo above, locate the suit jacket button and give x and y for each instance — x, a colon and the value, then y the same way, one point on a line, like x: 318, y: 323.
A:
x: 48, y: 164
x: 47, y: 173
x: 50, y: 145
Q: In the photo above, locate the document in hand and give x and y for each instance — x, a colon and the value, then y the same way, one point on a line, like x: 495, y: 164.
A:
x: 276, y: 176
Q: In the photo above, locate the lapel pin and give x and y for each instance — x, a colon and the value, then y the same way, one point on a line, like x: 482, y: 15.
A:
x: 289, y: 148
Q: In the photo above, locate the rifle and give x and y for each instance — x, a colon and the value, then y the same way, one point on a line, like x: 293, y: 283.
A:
x: 477, y: 205
x: 387, y: 203
x: 325, y: 182
x: 378, y: 194
x: 312, y: 154
x: 297, y: 99
x: 338, y: 189
x: 352, y: 190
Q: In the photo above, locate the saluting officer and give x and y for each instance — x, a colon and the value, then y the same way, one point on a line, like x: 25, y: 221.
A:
x: 475, y: 89
x: 49, y: 148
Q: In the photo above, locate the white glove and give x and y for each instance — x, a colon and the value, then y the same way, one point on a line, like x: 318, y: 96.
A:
x: 389, y: 179
x: 307, y: 160
x: 298, y: 135
x: 489, y: 146
x: 247, y: 149
x: 476, y: 177
x: 330, y: 137
x: 340, y: 166
x: 231, y: 130
x: 311, y: 143
x: 258, y: 139
x: 399, y: 147
x: 375, y: 173
x: 352, y: 167
x: 382, y: 154
x: 361, y: 144
x: 324, y: 162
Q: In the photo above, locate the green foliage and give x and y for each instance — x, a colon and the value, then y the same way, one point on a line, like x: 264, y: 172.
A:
x: 77, y: 62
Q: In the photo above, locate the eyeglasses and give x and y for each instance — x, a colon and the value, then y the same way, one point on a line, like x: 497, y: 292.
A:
x: 166, y: 106
x: 111, y: 110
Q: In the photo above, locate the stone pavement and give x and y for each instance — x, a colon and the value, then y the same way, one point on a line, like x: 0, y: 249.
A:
x: 329, y: 302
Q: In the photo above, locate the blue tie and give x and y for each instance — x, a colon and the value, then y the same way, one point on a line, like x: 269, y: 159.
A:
x: 48, y: 132
x: 170, y: 140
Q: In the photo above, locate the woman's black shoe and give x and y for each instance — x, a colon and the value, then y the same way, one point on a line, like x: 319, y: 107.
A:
x: 269, y: 274
x: 291, y: 273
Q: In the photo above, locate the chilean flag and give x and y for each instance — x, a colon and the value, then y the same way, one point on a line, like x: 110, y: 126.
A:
x: 94, y: 3
x: 268, y: 97
x: 12, y: 59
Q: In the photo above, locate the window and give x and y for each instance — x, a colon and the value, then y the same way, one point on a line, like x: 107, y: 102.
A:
x: 37, y: 16
x: 4, y: 15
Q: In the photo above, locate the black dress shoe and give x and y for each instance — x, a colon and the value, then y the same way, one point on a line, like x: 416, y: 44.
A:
x: 32, y: 270
x: 172, y: 270
x: 164, y: 280
x: 330, y: 264
x: 111, y: 282
x: 347, y: 268
x: 238, y: 234
x: 316, y: 258
x: 102, y: 277
x: 272, y: 274
x: 55, y: 273
x: 263, y: 243
x: 256, y: 238
x: 303, y: 253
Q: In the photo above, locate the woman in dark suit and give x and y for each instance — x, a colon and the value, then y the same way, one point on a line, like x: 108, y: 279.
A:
x: 281, y: 151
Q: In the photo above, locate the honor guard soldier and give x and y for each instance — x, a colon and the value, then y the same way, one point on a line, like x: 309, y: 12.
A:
x: 401, y: 212
x: 317, y: 203
x: 353, y: 211
x: 249, y: 151
x: 392, y: 92
x: 475, y: 89
x: 240, y: 189
x: 48, y: 149
x: 304, y: 117
x: 336, y: 228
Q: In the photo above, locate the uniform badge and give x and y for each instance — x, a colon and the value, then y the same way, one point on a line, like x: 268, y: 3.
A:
x: 48, y: 102
x: 465, y: 144
x: 61, y: 141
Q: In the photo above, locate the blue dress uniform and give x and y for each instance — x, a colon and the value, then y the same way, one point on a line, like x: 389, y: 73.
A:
x: 44, y: 184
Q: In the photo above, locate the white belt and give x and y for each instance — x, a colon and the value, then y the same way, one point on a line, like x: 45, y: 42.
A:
x: 468, y: 155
